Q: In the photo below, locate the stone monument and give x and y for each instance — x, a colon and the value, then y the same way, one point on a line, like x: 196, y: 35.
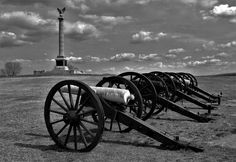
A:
x: 61, y: 61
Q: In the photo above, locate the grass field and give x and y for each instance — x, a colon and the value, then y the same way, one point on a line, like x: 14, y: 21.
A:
x: 23, y: 134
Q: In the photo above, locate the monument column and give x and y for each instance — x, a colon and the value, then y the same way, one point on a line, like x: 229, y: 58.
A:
x: 61, y: 62
x: 61, y: 35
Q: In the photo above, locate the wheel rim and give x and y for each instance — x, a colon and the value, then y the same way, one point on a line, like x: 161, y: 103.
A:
x: 68, y: 114
x: 161, y: 89
x: 134, y: 107
x: 194, y: 79
x: 169, y: 82
x: 188, y: 77
x: 147, y: 90
x: 179, y: 82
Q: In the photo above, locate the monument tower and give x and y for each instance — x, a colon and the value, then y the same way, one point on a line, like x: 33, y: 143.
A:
x: 61, y: 61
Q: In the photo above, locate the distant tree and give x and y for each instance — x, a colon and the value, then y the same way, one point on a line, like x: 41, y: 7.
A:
x: 2, y: 72
x: 12, y: 68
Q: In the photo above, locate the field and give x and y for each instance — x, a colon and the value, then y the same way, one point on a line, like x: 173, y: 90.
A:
x: 23, y: 134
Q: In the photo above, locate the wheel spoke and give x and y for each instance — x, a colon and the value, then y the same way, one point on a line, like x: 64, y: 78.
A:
x: 87, y: 130
x: 94, y: 123
x: 143, y: 88
x: 81, y: 107
x: 139, y: 81
x: 75, y: 137
x: 59, y: 104
x: 57, y: 112
x: 119, y: 126
x: 57, y: 121
x: 68, y: 135
x: 86, y: 113
x: 62, y: 129
x: 64, y: 99
x: 83, y: 138
x: 78, y: 98
x: 70, y: 96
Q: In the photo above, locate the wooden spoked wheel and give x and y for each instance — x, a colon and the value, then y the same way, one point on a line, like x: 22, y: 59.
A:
x: 179, y: 81
x: 146, y: 89
x: 68, y: 114
x: 133, y: 107
x: 161, y: 89
x: 195, y: 83
x: 169, y: 82
x: 188, y: 77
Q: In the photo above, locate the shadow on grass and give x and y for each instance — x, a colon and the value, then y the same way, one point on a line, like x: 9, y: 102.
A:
x: 37, y: 135
x: 41, y: 147
x: 56, y: 148
x: 131, y: 143
x: 173, y: 119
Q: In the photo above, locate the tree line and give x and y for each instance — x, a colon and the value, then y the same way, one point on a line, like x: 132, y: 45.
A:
x: 11, y: 69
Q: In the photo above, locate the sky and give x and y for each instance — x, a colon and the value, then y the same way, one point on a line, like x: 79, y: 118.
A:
x: 114, y: 36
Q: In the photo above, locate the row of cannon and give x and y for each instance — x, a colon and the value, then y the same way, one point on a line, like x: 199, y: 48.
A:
x: 77, y: 114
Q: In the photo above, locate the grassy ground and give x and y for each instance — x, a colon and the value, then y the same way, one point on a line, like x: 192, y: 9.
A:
x: 23, y: 134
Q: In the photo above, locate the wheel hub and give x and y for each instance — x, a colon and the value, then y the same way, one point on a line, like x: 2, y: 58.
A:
x: 71, y: 117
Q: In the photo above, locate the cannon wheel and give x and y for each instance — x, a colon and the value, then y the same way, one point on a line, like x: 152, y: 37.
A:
x: 134, y: 107
x: 180, y: 81
x: 194, y: 79
x: 68, y: 116
x: 147, y: 90
x: 162, y: 91
x: 188, y: 77
x: 169, y: 82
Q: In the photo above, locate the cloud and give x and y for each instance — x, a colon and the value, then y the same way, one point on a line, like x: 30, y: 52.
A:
x: 229, y: 44
x: 9, y: 39
x: 111, y: 69
x: 224, y: 10
x: 108, y: 20
x: 78, y: 5
x: 25, y: 2
x: 187, y: 57
x: 26, y: 20
x: 149, y: 57
x: 158, y: 64
x: 30, y: 27
x: 33, y: 28
x: 127, y: 68
x: 208, y: 57
x: 21, y: 60
x: 177, y: 50
x: 147, y: 36
x: 95, y: 59
x: 74, y: 59
x: 204, y: 63
x: 210, y: 45
x: 203, y: 3
x: 123, y: 57
x: 222, y: 54
x: 170, y: 56
x: 80, y: 31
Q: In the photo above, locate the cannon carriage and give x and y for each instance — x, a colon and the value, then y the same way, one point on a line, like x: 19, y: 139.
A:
x: 75, y: 113
x: 165, y: 90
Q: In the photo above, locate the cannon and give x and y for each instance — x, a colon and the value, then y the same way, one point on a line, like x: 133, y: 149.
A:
x: 193, y: 89
x: 75, y: 113
x: 178, y: 88
x: 165, y: 94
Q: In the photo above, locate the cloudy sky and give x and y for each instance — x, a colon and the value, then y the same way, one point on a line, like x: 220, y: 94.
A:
x: 112, y: 36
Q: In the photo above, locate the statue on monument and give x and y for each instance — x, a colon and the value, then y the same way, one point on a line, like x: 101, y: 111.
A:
x: 61, y: 11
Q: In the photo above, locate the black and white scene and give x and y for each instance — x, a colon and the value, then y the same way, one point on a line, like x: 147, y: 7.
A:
x: 117, y: 80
